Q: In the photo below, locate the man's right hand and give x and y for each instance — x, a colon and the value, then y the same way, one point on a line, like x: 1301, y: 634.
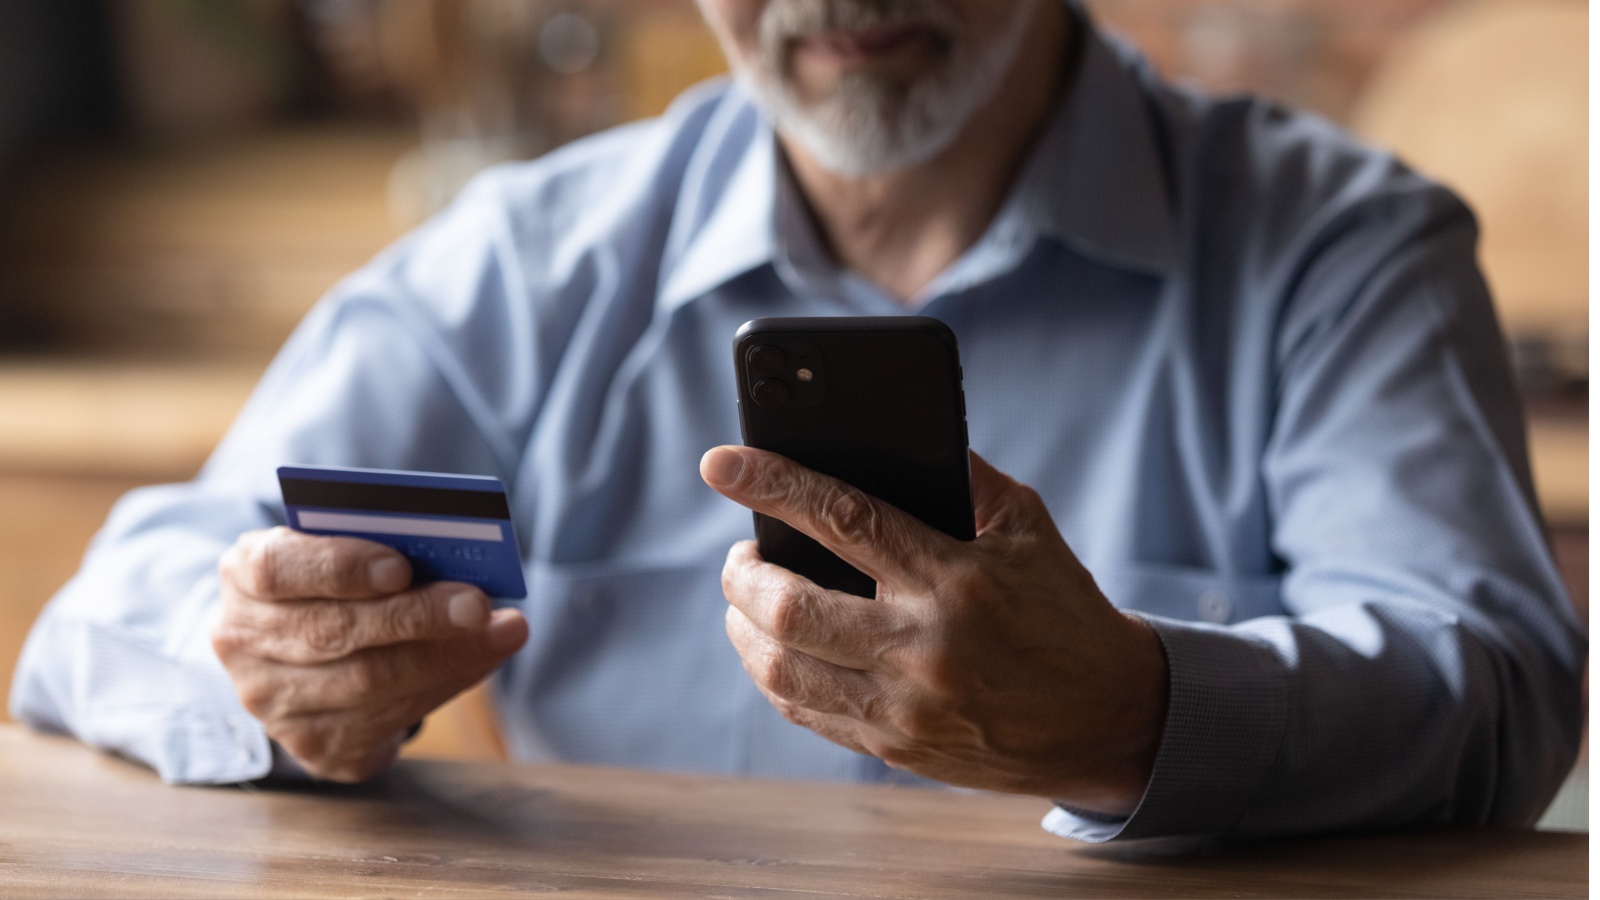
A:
x: 328, y: 647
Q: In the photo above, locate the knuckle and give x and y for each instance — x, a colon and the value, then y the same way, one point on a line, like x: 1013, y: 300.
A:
x: 736, y: 573
x: 766, y: 478
x: 236, y: 564
x: 246, y: 629
x: 326, y: 567
x: 228, y: 641
x: 778, y: 673
x: 280, y: 563
x: 791, y: 613
x: 850, y: 513
x: 404, y: 617
x: 327, y: 630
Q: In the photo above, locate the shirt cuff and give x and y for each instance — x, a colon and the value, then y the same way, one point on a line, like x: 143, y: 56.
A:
x: 199, y: 747
x: 1226, y: 717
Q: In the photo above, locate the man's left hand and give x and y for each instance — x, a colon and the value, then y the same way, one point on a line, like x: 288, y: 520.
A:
x: 995, y: 663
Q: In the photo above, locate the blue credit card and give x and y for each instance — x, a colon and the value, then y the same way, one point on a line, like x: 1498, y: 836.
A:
x: 450, y: 527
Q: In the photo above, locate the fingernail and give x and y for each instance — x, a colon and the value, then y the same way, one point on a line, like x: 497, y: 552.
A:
x: 388, y: 574
x: 720, y: 467
x: 507, y: 631
x: 468, y: 610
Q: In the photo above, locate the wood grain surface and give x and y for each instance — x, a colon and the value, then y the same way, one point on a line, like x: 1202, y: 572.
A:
x: 78, y: 824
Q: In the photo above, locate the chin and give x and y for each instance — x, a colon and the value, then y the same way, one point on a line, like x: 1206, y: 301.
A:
x: 871, y: 125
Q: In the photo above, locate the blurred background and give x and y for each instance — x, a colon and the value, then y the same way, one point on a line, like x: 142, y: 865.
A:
x: 181, y: 179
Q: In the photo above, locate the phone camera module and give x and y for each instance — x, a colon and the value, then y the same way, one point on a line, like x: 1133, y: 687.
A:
x: 766, y: 360
x: 770, y: 392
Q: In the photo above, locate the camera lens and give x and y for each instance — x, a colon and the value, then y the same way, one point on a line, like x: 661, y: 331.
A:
x: 770, y: 392
x: 766, y: 360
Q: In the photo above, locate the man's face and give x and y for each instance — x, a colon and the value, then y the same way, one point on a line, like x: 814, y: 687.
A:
x: 868, y: 86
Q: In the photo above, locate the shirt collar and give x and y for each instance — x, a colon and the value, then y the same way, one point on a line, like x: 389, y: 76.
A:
x: 1095, y: 181
x: 723, y: 224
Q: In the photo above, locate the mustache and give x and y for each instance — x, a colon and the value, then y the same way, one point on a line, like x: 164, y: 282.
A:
x: 785, y: 20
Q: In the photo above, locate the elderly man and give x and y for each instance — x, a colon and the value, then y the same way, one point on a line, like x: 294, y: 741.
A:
x: 1277, y: 567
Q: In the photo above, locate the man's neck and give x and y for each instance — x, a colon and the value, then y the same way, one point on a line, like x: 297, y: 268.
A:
x: 899, y: 230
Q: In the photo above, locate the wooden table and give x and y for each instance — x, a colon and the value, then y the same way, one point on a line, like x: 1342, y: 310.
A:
x: 75, y: 823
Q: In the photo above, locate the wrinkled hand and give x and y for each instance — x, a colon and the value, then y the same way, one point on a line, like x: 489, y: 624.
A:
x: 992, y: 664
x: 336, y: 657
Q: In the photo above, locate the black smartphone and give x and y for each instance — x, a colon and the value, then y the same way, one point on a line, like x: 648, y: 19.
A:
x: 873, y: 401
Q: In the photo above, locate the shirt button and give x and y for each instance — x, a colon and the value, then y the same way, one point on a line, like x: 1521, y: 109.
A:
x: 1215, y: 607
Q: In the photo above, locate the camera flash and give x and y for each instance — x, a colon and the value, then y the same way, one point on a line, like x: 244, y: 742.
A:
x: 804, y: 374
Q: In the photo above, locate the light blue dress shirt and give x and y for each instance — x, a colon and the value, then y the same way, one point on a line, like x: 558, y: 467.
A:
x: 1250, y: 365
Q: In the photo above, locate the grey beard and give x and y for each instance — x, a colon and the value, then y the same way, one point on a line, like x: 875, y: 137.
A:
x: 871, y: 123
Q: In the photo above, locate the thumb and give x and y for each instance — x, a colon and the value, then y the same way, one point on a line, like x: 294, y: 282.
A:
x: 506, y: 633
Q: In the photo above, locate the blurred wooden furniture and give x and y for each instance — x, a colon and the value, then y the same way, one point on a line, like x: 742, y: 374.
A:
x: 213, y: 250
x: 1491, y: 97
x: 1558, y: 446
x: 79, y: 824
